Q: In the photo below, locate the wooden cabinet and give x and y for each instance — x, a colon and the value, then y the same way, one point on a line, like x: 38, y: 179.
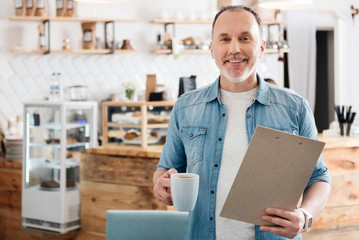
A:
x: 135, y: 125
x: 47, y: 21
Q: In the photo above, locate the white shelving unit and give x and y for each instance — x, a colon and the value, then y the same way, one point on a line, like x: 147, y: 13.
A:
x: 55, y: 132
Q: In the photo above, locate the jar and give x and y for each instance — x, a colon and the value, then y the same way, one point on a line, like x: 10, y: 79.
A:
x: 78, y: 93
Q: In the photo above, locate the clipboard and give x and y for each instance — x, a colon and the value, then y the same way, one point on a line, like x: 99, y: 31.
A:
x: 274, y: 172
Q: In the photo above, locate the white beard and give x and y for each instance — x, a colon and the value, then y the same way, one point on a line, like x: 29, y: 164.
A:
x: 236, y: 79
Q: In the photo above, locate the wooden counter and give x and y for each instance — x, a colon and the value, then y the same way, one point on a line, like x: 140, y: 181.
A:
x: 10, y: 207
x: 117, y: 178
x: 10, y: 200
x: 122, y: 179
x: 149, y: 152
x: 340, y: 217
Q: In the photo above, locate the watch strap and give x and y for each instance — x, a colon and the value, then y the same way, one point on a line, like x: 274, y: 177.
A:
x: 308, y: 219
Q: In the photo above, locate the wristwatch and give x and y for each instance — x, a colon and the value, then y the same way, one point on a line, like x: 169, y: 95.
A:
x: 308, y: 219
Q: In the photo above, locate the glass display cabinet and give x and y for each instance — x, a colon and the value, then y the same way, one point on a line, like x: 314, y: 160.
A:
x: 124, y: 123
x: 55, y: 134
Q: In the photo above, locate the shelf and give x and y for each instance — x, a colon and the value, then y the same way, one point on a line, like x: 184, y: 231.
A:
x: 157, y: 125
x: 152, y: 125
x: 138, y: 104
x: 93, y: 51
x: 185, y: 51
x: 271, y: 50
x: 87, y: 145
x: 69, y: 19
x: 58, y: 126
x: 28, y: 51
x: 76, y: 125
x: 38, y: 188
x: 184, y: 21
x: 209, y: 21
x: 25, y: 18
x: 77, y: 51
x: 272, y: 22
x: 119, y: 125
x: 169, y: 51
x: 75, y: 19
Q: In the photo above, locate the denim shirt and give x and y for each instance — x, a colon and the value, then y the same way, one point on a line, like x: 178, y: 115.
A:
x: 195, y: 142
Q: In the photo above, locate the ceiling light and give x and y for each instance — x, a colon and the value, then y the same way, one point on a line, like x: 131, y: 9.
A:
x: 100, y: 1
x: 285, y: 4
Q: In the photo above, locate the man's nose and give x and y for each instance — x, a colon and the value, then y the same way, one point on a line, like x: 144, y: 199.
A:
x: 234, y: 47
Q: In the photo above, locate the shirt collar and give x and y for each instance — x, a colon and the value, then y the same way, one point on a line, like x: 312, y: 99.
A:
x: 262, y: 95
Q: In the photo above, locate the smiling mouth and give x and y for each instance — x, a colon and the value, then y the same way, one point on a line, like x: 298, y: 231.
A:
x: 235, y: 61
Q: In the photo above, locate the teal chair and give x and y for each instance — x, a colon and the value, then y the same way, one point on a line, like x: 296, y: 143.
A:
x: 146, y: 225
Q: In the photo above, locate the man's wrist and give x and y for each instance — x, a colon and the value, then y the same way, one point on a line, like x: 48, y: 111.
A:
x: 308, y: 218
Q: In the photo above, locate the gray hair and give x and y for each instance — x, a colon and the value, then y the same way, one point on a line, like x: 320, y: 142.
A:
x: 242, y: 8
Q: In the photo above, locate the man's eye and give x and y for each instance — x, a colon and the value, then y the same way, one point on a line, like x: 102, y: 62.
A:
x: 224, y: 39
x: 244, y: 38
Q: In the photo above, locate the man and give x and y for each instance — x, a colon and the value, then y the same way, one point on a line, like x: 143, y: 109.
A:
x: 210, y: 129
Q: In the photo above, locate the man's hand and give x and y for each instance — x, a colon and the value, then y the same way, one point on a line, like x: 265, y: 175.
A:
x: 290, y: 224
x: 162, y: 186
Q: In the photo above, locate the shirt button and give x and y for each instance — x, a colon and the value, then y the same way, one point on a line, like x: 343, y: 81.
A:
x: 223, y: 114
x: 212, y: 192
x: 219, y: 139
x: 191, y: 135
x: 248, y: 116
x: 216, y: 165
x: 211, y: 218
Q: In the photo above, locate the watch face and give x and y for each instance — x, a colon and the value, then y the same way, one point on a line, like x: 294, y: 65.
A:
x: 310, y: 222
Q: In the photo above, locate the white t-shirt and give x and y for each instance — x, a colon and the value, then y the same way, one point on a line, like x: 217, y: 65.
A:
x: 234, y: 147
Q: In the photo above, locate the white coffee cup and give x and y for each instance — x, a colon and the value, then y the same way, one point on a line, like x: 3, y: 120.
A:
x: 184, y: 191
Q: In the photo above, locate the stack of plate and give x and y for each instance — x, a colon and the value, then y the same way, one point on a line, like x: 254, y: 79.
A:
x: 13, y: 148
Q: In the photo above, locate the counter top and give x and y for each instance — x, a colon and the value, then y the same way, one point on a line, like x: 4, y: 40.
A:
x: 156, y: 151
x: 4, y: 163
x: 339, y: 142
x: 129, y: 151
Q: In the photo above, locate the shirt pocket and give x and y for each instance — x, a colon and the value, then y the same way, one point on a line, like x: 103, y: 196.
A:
x: 291, y: 130
x: 193, y: 141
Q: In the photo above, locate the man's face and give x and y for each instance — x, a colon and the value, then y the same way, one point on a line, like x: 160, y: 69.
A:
x: 236, y: 45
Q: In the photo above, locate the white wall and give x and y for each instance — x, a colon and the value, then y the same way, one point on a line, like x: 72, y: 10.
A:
x: 346, y: 53
x: 24, y: 77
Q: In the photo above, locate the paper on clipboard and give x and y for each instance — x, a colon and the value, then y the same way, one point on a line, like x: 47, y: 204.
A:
x: 274, y: 173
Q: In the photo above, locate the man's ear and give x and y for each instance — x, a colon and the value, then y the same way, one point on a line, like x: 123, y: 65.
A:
x: 263, y: 47
x: 211, y: 48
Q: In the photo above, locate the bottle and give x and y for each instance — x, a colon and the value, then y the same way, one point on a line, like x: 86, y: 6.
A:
x: 56, y: 87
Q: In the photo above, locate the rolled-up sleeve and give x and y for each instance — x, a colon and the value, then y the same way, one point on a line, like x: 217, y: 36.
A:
x: 173, y: 154
x: 308, y: 129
